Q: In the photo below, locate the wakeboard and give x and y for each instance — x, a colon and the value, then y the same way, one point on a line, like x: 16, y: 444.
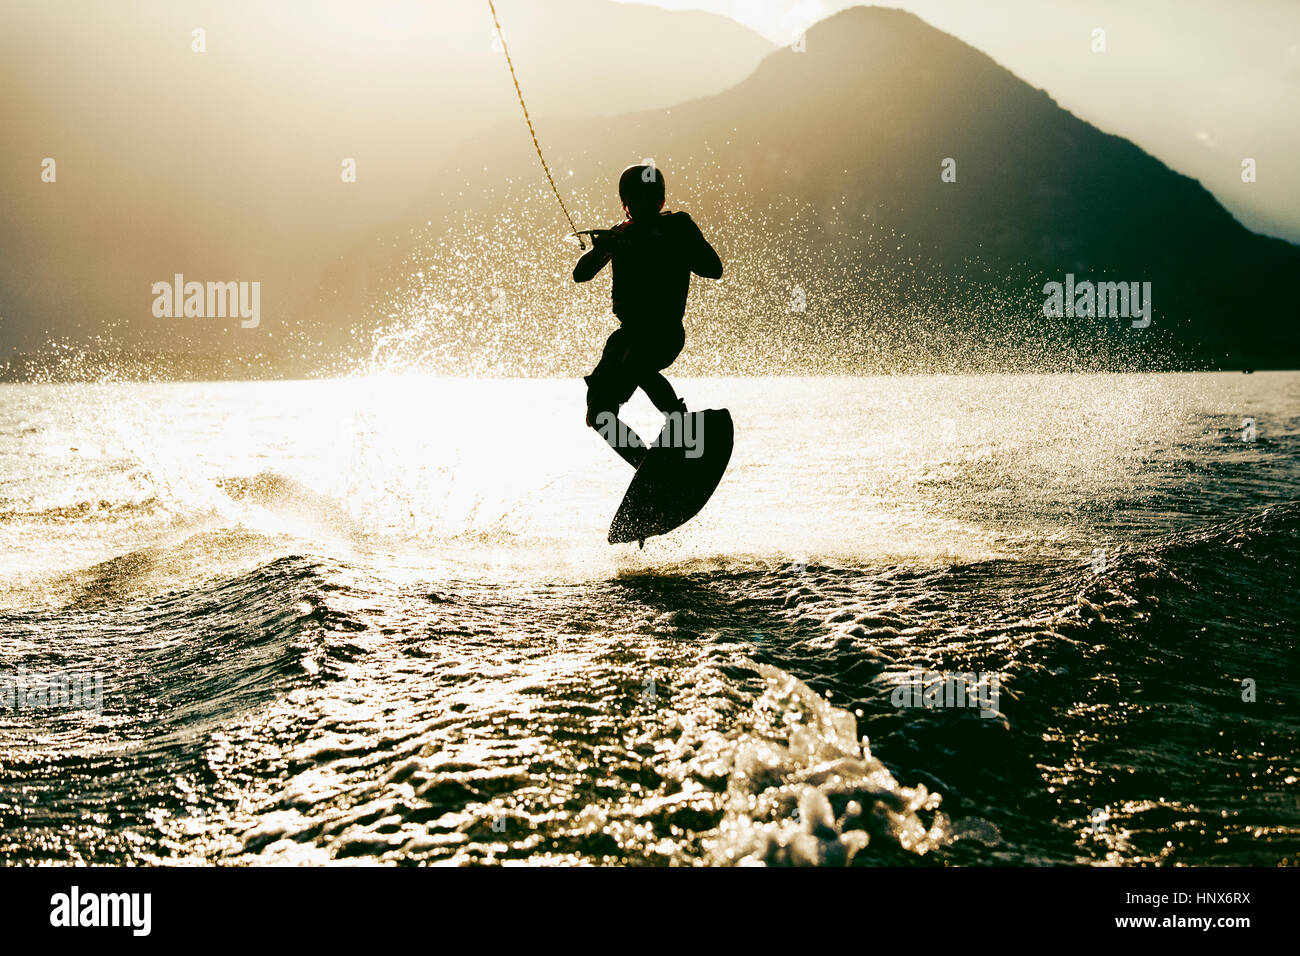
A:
x: 680, y: 472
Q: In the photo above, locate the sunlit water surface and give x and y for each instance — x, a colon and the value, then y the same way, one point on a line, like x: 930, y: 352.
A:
x: 377, y: 620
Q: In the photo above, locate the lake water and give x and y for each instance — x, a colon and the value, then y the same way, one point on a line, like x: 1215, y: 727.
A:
x: 377, y: 620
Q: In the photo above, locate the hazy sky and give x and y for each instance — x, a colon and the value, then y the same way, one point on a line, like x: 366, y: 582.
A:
x: 1200, y: 84
x: 227, y: 163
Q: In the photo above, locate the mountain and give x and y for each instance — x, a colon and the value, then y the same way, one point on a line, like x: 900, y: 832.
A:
x: 819, y: 178
x: 226, y: 164
x: 1199, y: 90
x: 817, y: 174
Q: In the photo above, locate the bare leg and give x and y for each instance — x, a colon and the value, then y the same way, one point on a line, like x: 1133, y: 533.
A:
x: 660, y: 391
x: 618, y: 434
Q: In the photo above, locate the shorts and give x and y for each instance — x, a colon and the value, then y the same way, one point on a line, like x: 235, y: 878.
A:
x: 629, y: 354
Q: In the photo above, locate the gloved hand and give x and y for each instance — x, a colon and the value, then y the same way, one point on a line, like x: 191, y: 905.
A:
x: 609, y: 241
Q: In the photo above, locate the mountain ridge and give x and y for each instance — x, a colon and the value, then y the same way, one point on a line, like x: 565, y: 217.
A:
x: 1040, y: 193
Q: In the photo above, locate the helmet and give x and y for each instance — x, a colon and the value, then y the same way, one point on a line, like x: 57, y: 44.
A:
x: 641, y: 187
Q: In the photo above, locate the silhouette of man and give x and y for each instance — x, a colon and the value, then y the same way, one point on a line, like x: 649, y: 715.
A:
x: 653, y: 253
